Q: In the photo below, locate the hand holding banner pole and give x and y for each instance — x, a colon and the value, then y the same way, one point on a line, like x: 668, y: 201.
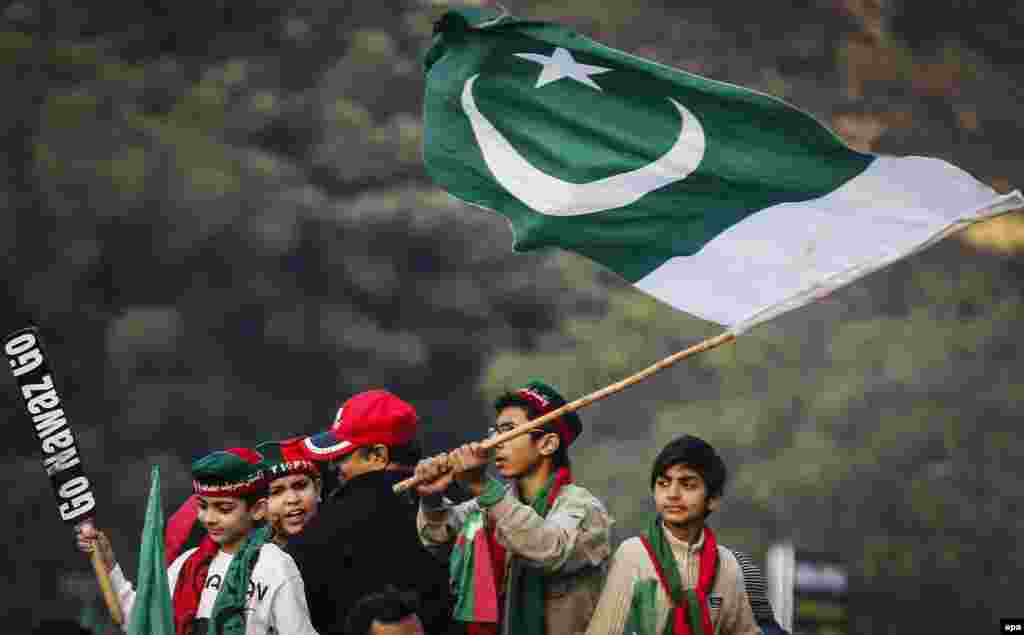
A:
x: 597, y: 395
x: 76, y: 503
x: 103, y: 579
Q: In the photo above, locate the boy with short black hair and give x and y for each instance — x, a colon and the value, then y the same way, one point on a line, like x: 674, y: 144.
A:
x: 674, y: 579
x: 236, y: 581
x: 389, y: 612
x: 529, y: 558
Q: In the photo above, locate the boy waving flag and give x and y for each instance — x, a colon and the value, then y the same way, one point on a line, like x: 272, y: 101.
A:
x: 725, y: 203
x: 527, y: 557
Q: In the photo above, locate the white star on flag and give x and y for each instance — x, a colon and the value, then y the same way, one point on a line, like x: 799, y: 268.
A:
x: 561, y: 64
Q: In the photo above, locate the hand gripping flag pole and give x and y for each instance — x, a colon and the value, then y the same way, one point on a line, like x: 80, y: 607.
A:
x: 76, y: 503
x: 597, y: 395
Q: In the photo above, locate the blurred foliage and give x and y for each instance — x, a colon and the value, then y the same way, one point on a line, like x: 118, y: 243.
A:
x: 223, y: 242
x: 218, y: 217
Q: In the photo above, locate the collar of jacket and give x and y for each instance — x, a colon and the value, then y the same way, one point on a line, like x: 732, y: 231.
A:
x: 378, y: 479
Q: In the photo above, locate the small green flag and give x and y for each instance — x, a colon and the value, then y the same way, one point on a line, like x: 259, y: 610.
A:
x: 152, y: 613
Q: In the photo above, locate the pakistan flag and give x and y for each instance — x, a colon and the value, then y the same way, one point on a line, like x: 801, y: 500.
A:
x: 726, y: 203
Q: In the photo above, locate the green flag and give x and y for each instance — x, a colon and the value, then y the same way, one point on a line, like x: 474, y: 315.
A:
x: 721, y: 201
x: 152, y: 613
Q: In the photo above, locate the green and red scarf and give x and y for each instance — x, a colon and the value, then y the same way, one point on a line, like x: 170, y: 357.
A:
x: 690, y: 613
x: 189, y: 587
x: 477, y: 567
x: 228, y: 615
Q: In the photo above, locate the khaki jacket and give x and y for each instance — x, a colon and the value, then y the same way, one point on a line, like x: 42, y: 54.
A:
x: 627, y: 596
x: 571, y: 545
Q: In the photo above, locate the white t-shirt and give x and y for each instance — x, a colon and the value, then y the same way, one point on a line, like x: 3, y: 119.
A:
x: 277, y: 597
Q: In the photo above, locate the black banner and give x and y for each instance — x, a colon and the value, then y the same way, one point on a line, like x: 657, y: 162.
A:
x: 61, y: 461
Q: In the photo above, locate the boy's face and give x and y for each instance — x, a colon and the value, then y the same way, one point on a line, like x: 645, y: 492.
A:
x: 681, y: 496
x: 361, y: 461
x: 228, y: 519
x: 519, y: 456
x: 293, y: 502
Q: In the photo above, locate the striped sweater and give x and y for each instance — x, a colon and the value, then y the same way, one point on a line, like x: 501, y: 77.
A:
x: 753, y: 579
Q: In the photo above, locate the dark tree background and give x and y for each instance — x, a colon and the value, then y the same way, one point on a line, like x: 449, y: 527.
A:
x: 217, y: 214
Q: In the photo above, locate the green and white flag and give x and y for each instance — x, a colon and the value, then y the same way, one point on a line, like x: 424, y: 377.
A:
x: 726, y: 203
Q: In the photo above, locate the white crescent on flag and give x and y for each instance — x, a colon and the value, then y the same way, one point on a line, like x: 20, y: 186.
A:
x: 555, y: 197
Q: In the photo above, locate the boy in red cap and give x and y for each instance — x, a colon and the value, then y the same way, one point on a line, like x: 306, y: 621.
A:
x: 293, y: 489
x: 236, y: 578
x: 526, y: 559
x: 364, y: 538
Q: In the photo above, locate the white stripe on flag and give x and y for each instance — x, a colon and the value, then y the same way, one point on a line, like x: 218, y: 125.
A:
x: 786, y: 255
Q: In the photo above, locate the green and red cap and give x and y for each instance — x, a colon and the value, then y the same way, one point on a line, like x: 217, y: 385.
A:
x: 368, y: 418
x: 232, y: 472
x: 545, y: 399
x: 286, y: 458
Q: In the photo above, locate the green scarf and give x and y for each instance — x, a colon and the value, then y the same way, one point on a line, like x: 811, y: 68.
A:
x: 527, y: 616
x: 690, y: 614
x: 228, y: 615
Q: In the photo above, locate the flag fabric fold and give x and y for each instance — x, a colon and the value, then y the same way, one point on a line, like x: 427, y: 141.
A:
x: 151, y: 612
x: 180, y: 527
x: 721, y: 201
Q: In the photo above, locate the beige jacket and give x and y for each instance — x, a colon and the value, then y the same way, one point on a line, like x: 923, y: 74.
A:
x: 571, y: 545
x: 633, y: 593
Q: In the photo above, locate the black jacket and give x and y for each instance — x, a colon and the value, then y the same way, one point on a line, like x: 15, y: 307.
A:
x: 363, y: 540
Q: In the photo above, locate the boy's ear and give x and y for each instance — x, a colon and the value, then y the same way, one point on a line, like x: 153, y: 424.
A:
x: 259, y: 509
x: 713, y: 503
x: 549, y: 444
x: 381, y: 452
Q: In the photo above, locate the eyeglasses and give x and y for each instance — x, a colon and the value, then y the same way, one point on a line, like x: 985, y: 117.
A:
x: 502, y: 428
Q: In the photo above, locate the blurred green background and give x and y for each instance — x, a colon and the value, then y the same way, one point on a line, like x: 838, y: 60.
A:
x: 218, y: 215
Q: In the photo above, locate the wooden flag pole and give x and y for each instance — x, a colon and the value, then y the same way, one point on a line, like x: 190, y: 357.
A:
x: 106, y: 587
x: 598, y: 395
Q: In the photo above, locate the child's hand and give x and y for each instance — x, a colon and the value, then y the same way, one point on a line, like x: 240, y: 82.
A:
x: 89, y: 539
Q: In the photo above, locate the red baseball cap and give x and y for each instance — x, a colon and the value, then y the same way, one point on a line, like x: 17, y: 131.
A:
x: 369, y: 418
